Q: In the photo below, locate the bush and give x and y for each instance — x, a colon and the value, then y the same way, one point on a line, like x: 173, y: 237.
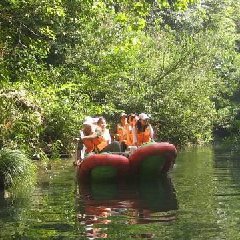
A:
x: 15, y: 167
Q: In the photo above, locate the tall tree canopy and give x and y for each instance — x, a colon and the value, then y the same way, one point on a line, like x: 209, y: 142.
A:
x: 178, y: 60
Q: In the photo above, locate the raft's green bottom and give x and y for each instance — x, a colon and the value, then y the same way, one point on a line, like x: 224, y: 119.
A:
x: 104, y: 191
x: 102, y: 173
x: 151, y: 167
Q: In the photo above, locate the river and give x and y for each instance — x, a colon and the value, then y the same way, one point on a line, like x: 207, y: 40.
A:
x: 200, y: 199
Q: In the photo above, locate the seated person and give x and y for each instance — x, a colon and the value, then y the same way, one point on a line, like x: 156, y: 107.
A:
x: 132, y: 121
x: 102, y: 128
x: 144, y: 130
x: 87, y: 129
x: 103, y: 131
x: 98, y: 139
x: 123, y: 132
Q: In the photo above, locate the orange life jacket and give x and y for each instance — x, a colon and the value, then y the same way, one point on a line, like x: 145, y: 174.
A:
x: 100, y: 143
x: 124, y: 133
x: 144, y: 137
x: 132, y: 138
x: 95, y: 144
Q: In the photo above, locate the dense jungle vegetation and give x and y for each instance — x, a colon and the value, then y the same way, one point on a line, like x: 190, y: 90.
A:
x: 61, y: 60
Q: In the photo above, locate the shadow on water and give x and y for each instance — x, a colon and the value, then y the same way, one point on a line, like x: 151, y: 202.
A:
x: 206, y: 179
x: 140, y: 203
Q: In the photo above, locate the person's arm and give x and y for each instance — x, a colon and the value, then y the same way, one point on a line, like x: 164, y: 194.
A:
x: 134, y: 132
x: 83, y: 152
x: 81, y: 134
x: 151, y: 131
x: 116, y: 134
x: 91, y: 136
x: 106, y: 135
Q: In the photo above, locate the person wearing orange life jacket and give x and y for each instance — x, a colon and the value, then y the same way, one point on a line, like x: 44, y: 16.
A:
x: 132, y: 120
x: 99, y: 141
x: 144, y: 130
x: 102, y: 128
x: 82, y: 148
x: 123, y: 132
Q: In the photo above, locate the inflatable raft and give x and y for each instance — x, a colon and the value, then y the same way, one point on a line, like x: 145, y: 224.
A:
x: 102, y: 167
x: 152, y: 160
x: 147, y: 161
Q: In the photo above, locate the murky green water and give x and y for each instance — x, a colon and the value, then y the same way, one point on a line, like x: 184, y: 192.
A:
x: 199, y: 200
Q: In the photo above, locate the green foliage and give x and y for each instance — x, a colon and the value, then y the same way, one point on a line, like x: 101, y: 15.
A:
x: 20, y: 121
x: 174, y: 59
x: 15, y: 167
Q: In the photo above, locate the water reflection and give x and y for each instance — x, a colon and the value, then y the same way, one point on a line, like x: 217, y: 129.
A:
x: 139, y: 203
x: 207, y: 182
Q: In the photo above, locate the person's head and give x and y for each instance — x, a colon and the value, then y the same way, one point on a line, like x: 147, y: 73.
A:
x: 95, y: 120
x: 144, y: 119
x: 88, y: 119
x: 87, y: 128
x: 123, y: 118
x: 102, y: 122
x: 132, y: 119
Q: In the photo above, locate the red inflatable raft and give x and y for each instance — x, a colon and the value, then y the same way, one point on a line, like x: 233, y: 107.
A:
x: 148, y: 161
x: 103, y: 166
x: 152, y: 159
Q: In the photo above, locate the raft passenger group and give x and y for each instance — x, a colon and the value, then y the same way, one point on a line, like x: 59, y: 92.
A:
x: 131, y: 132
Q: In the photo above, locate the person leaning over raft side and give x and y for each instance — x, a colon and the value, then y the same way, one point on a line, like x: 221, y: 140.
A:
x: 144, y: 130
x: 88, y: 129
x: 95, y: 139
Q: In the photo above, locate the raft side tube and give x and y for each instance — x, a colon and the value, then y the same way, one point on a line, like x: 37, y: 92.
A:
x: 104, y: 162
x: 164, y: 151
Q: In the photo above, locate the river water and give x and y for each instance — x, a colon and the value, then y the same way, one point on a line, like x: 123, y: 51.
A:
x: 200, y: 199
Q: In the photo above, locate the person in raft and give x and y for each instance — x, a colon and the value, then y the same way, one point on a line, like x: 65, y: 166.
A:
x: 87, y: 127
x: 132, y: 121
x: 100, y: 140
x: 103, y: 130
x: 144, y: 130
x: 123, y: 132
x: 96, y: 139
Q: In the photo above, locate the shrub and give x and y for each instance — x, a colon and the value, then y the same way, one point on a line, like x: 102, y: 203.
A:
x: 15, y: 167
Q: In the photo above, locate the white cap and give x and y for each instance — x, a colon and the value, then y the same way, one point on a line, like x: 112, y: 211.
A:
x: 123, y: 115
x: 95, y: 120
x: 88, y: 121
x: 143, y: 116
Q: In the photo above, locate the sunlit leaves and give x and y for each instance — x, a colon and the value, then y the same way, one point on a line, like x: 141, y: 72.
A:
x: 174, y: 59
x: 121, y: 17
